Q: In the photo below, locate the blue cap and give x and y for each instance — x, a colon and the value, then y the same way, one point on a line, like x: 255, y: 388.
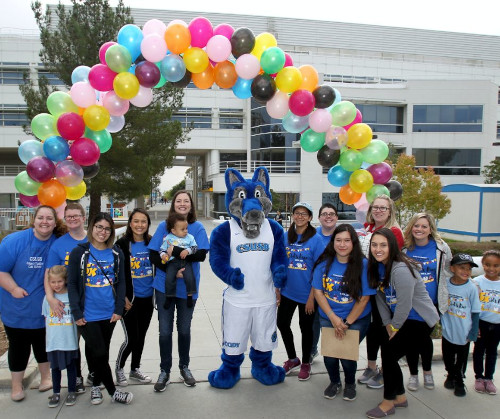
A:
x: 306, y: 205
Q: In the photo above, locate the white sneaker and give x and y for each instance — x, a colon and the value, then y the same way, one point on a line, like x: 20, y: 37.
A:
x: 413, y: 383
x: 121, y: 379
x: 95, y: 395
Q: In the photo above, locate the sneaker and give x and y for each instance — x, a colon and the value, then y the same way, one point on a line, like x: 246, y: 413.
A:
x: 291, y: 365
x: 163, y: 380
x: 80, y: 387
x: 305, y: 372
x: 90, y: 381
x: 332, y: 390
x: 123, y: 397
x: 121, y: 380
x: 413, y: 383
x: 350, y: 392
x: 449, y: 383
x: 479, y: 385
x: 367, y: 374
x: 377, y: 381
x: 95, y: 395
x: 490, y: 387
x: 70, y: 399
x: 138, y: 375
x: 459, y: 389
x: 428, y: 381
x: 187, y: 377
x: 54, y: 400
x: 314, y: 355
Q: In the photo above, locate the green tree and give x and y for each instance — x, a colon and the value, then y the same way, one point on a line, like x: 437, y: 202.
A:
x: 179, y: 187
x: 491, y: 172
x: 146, y: 145
x: 421, y: 191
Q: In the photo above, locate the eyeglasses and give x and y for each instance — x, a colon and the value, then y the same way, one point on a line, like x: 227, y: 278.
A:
x: 73, y: 217
x: 328, y: 214
x: 381, y: 209
x: 301, y: 214
x: 100, y: 228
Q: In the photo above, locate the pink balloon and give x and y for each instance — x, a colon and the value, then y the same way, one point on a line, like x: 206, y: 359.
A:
x: 143, y: 98
x: 154, y: 47
x: 85, y: 152
x: 29, y: 201
x: 218, y: 48
x: 201, y: 31
x: 69, y: 173
x: 361, y: 213
x: 103, y: 49
x: 357, y: 119
x: 320, y: 120
x: 154, y: 26
x: 381, y: 172
x: 115, y: 105
x: 247, y: 66
x: 224, y: 29
x: 70, y: 126
x: 40, y: 169
x: 336, y: 137
x: 60, y: 210
x: 82, y: 94
x: 362, y: 201
x: 301, y: 102
x: 101, y: 77
x: 277, y: 107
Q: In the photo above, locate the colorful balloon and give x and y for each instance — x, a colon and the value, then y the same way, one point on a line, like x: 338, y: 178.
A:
x: 224, y: 29
x: 116, y: 123
x: 289, y: 79
x: 43, y: 126
x: 225, y: 75
x: 178, y: 38
x: 242, y: 42
x: 56, y: 148
x: 375, y: 152
x: 219, y: 48
x: 40, y: 169
x: 336, y: 137
x: 114, y: 104
x: 324, y: 96
x: 361, y: 181
x: 51, y: 193
x: 148, y: 74
x: 351, y: 160
x: 80, y: 73
x: 309, y: 77
x: 118, y: 58
x: 295, y: 124
x: 101, y: 77
x: 196, y: 60
x: 154, y: 26
x: 102, y: 138
x: 59, y: 103
x: 348, y: 196
x: 320, y: 120
x: 25, y: 185
x: 272, y: 60
x: 381, y: 172
x: 312, y: 141
x: 359, y: 136
x: 201, y: 31
x: 376, y: 190
x: 337, y: 176
x: 263, y: 41
x: 29, y: 149
x: 29, y: 201
x: 74, y: 193
x: 154, y: 47
x: 104, y: 49
x: 69, y: 173
x: 143, y: 98
x: 184, y: 82
x: 82, y: 94
x: 90, y: 171
x: 343, y: 113
x: 247, y: 66
x: 301, y: 102
x: 263, y: 88
x: 395, y: 189
x: 71, y: 126
x: 85, y: 152
x: 205, y: 79
x: 126, y: 86
x: 277, y: 106
x: 328, y: 157
x: 130, y: 36
x: 96, y: 117
x: 357, y: 119
x: 242, y: 88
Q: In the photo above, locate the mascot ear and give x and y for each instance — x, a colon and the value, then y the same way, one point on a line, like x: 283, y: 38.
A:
x: 232, y: 176
x: 261, y: 175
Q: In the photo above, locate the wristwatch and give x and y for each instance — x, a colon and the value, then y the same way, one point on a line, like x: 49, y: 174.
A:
x: 347, y: 323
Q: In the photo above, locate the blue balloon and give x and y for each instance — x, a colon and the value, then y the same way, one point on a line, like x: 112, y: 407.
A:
x: 172, y: 67
x: 338, y: 176
x: 56, y: 148
x: 29, y: 149
x: 80, y: 73
x: 130, y: 36
x: 242, y: 88
x: 132, y: 69
x: 295, y: 124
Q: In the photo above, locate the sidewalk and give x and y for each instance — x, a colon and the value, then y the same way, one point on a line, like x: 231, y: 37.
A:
x: 249, y: 398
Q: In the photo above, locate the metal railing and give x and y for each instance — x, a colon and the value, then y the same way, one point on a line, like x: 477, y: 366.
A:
x: 241, y: 165
x: 11, y: 170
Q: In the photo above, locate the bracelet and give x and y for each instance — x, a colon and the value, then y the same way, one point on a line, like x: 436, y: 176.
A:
x: 393, y: 328
x: 347, y: 323
x: 328, y: 315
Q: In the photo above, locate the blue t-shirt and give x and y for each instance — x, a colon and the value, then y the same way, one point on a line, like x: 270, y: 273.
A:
x: 200, y: 235
x: 326, y: 239
x: 426, y: 257
x: 489, y: 297
x: 60, y: 250
x: 60, y: 333
x: 331, y: 284
x: 25, y: 258
x: 457, y: 321
x: 99, y: 296
x: 301, y: 258
x: 141, y: 270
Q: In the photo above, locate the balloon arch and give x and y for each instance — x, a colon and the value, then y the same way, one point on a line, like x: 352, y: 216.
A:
x: 78, y: 127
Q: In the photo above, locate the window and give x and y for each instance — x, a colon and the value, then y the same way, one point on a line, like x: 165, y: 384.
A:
x: 231, y: 118
x: 383, y: 118
x: 51, y: 78
x: 194, y: 117
x: 13, y: 116
x: 449, y: 161
x: 447, y: 118
x: 498, y: 129
x: 11, y: 75
x: 345, y: 212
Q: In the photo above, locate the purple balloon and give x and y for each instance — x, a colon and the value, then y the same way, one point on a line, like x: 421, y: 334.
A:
x: 148, y: 74
x: 29, y: 201
x: 40, y: 169
x: 381, y: 172
x: 69, y: 173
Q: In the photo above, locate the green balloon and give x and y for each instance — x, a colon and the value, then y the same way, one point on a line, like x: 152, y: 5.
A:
x: 312, y: 141
x: 375, y: 152
x: 375, y: 191
x: 59, y: 103
x: 118, y: 58
x: 44, y: 126
x: 102, y: 138
x: 25, y: 185
x: 351, y: 160
x: 163, y: 80
x: 272, y: 60
x: 343, y: 113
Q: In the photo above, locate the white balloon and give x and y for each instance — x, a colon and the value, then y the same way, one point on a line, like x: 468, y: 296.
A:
x: 116, y: 123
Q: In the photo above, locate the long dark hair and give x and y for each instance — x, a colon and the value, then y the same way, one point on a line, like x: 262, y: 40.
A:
x: 395, y: 255
x: 98, y: 217
x: 191, y: 216
x: 306, y: 235
x: 129, y: 234
x: 351, y: 281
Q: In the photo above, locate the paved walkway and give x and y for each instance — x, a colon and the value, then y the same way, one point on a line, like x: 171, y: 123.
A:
x: 249, y: 398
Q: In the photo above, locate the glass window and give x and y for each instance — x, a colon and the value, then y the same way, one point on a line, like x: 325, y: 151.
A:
x: 194, y: 117
x: 383, y: 118
x: 345, y: 212
x: 231, y: 118
x: 13, y: 115
x: 447, y: 118
x: 449, y: 161
x: 52, y: 78
x: 11, y: 76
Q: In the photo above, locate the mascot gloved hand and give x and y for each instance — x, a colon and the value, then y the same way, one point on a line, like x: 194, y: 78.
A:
x: 248, y: 254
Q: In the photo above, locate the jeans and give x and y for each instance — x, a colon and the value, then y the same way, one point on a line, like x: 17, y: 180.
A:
x: 349, y: 366
x: 166, y: 320
x: 173, y: 267
x: 486, y: 344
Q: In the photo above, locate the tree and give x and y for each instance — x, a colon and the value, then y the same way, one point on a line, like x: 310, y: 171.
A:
x: 179, y: 187
x: 491, y: 172
x: 146, y: 145
x: 421, y: 191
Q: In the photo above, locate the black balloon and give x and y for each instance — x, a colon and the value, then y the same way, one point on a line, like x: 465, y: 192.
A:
x: 263, y: 88
x: 184, y: 81
x: 328, y: 157
x: 139, y: 59
x: 90, y: 171
x: 242, y: 42
x: 324, y: 95
x: 395, y: 189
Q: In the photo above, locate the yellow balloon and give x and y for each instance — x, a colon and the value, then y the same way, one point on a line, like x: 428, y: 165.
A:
x: 289, y: 79
x: 262, y: 42
x: 96, y: 117
x: 361, y: 181
x: 196, y: 60
x: 74, y: 193
x: 359, y: 136
x: 125, y: 86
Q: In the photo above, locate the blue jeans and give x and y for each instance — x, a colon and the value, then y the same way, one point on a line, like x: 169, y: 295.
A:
x: 166, y: 320
x: 349, y: 367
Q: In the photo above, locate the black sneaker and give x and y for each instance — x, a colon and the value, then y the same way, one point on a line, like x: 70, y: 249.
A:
x: 90, y: 381
x: 80, y: 387
x: 350, y: 392
x: 449, y: 383
x: 95, y: 395
x: 332, y: 390
x: 54, y: 400
x: 459, y: 389
x: 163, y: 380
x: 123, y: 397
x: 187, y: 377
x: 71, y: 399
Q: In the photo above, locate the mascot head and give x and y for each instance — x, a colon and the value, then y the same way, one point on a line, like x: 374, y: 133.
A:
x: 248, y: 201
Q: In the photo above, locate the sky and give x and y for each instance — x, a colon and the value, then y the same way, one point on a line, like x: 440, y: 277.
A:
x: 479, y: 17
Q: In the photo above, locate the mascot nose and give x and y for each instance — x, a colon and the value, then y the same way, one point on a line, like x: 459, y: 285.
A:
x: 251, y: 208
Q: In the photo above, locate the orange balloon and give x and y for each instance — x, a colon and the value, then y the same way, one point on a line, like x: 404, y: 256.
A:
x: 178, y: 38
x: 205, y: 79
x: 225, y: 74
x: 51, y: 193
x: 309, y: 77
x: 348, y: 196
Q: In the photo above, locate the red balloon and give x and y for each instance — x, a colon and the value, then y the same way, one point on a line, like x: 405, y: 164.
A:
x: 101, y: 77
x: 85, y: 152
x: 301, y: 102
x: 29, y: 201
x: 71, y: 126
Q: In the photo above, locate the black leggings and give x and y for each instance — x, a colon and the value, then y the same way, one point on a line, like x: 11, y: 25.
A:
x: 423, y: 347
x: 375, y: 334
x: 285, y: 314
x: 20, y: 343
x: 137, y: 321
x: 485, y: 349
x: 71, y: 373
x: 455, y: 359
